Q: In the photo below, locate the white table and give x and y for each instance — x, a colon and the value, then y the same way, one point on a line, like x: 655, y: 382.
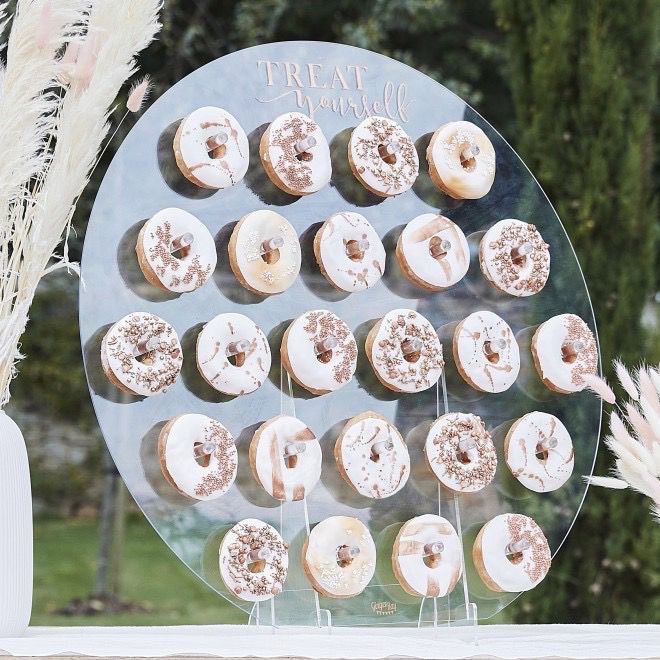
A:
x: 558, y: 641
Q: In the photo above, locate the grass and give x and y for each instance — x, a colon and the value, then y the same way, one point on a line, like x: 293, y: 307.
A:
x: 64, y: 565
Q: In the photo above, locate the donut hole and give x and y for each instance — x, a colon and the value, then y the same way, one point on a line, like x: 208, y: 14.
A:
x: 541, y: 453
x: 462, y: 457
x: 411, y: 356
x: 324, y: 357
x: 388, y: 158
x: 218, y: 152
x: 343, y: 563
x: 515, y: 557
x: 237, y: 360
x: 432, y: 561
x: 204, y: 459
x: 469, y: 164
x: 493, y: 358
x: 256, y: 566
x: 305, y: 156
x: 353, y: 250
x: 272, y: 256
x: 147, y: 359
x: 568, y: 356
x: 435, y: 248
x: 291, y: 461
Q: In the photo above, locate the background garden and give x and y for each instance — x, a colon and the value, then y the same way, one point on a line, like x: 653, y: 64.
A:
x: 572, y: 85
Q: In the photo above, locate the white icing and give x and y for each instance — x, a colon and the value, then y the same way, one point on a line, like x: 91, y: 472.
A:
x: 444, y: 157
x: 462, y: 471
x: 387, y: 357
x: 196, y: 264
x: 285, y: 480
x: 194, y: 156
x: 320, y: 557
x: 380, y: 177
x: 160, y: 368
x: 216, y: 338
x: 540, y: 474
x: 469, y: 339
x: 497, y: 535
x: 547, y: 350
x: 299, y: 175
x: 346, y: 273
x: 245, y: 248
x: 357, y: 446
x: 236, y: 545
x: 519, y: 278
x: 205, y: 479
x: 414, y: 246
x: 300, y: 343
x: 417, y: 577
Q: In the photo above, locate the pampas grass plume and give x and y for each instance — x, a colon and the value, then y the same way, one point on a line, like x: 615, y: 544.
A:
x: 626, y: 380
x: 597, y: 385
x: 138, y: 95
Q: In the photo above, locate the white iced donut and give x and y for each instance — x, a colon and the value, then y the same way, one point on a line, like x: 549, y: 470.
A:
x: 539, y: 452
x: 433, y: 252
x: 264, y: 252
x: 211, y: 148
x: 486, y: 352
x: 197, y: 456
x: 339, y: 557
x: 405, y: 352
x: 319, y: 351
x: 295, y: 154
x: 461, y: 160
x: 141, y: 354
x: 372, y: 456
x: 254, y: 560
x: 285, y: 457
x: 514, y: 257
x: 349, y: 252
x: 511, y: 553
x: 233, y: 354
x: 460, y: 452
x: 564, y: 350
x: 427, y: 556
x: 383, y: 157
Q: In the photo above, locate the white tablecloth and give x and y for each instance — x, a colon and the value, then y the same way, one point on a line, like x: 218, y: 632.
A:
x: 559, y: 641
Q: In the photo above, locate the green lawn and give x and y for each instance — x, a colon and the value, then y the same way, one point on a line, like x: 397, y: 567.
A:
x: 64, y: 559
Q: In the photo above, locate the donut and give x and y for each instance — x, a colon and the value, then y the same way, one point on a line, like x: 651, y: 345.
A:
x: 486, y: 352
x: 233, y: 355
x: 405, y: 352
x: 433, y: 252
x: 211, y: 148
x: 197, y: 456
x: 285, y: 457
x: 514, y: 258
x: 372, y: 456
x: 382, y: 157
x: 511, y: 553
x: 295, y: 154
x: 461, y: 160
x: 254, y: 560
x: 460, y: 452
x: 175, y: 251
x: 264, y: 252
x: 539, y: 452
x: 349, y: 252
x: 339, y: 557
x: 319, y: 351
x: 427, y: 556
x: 564, y: 350
x: 141, y: 354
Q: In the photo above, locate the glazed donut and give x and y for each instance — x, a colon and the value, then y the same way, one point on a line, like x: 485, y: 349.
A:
x: 233, y: 355
x: 211, y: 148
x: 433, y: 252
x: 197, y: 456
x: 295, y: 154
x: 405, y: 352
x: 382, y: 156
x: 511, y: 553
x: 427, y: 557
x: 349, y: 252
x: 461, y: 160
x: 285, y: 457
x: 254, y: 560
x: 460, y: 452
x: 486, y: 352
x: 539, y: 452
x: 514, y: 258
x: 264, y: 252
x: 339, y: 557
x: 319, y: 351
x: 175, y: 251
x: 154, y: 341
x: 564, y: 350
x: 372, y: 456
